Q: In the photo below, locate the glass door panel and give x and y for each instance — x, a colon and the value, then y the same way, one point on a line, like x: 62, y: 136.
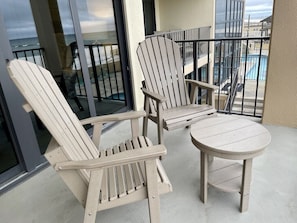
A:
x: 100, y: 39
x: 8, y: 158
x: 72, y: 81
x: 25, y: 45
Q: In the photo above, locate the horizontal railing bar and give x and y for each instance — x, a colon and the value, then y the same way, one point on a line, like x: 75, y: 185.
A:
x: 225, y: 39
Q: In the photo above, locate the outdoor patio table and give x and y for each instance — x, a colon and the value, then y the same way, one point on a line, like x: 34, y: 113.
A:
x: 230, y: 138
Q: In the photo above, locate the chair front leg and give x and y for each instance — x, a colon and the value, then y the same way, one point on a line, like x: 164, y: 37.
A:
x: 160, y: 123
x: 152, y: 191
x: 91, y: 206
x: 145, y: 118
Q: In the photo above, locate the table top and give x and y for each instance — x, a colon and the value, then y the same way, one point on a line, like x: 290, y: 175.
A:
x: 230, y: 137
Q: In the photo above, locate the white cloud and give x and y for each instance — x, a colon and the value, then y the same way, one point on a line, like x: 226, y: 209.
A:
x: 257, y: 10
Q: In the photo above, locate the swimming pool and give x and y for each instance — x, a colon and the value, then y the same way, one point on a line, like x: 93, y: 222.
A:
x: 252, y: 67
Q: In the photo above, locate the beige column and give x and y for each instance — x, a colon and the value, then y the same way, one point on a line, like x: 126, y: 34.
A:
x: 280, y: 106
x: 133, y: 13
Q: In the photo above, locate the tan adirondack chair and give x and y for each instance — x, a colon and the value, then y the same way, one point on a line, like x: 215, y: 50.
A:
x: 99, y: 179
x: 167, y: 101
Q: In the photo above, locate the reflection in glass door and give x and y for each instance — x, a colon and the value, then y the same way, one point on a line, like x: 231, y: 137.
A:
x: 8, y: 158
x: 99, y: 36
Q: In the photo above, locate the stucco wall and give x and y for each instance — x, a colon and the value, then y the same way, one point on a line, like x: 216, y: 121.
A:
x: 170, y: 15
x: 280, y: 107
x: 186, y: 14
x: 133, y: 13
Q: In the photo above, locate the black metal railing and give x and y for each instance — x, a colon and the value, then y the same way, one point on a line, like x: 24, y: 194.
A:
x: 237, y: 66
x: 187, y: 34
x: 105, y: 72
x: 104, y: 69
x: 184, y: 37
x: 35, y: 55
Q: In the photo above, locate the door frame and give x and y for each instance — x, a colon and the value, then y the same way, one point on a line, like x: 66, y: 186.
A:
x: 24, y: 142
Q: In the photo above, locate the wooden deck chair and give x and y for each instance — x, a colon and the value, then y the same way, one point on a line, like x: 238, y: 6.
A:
x: 167, y: 101
x: 99, y: 179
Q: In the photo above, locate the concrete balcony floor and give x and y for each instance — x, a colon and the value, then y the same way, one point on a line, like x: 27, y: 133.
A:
x: 45, y: 199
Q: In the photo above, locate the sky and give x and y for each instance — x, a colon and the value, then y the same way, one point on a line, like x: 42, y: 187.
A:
x: 258, y: 9
x: 93, y: 16
x: 19, y: 21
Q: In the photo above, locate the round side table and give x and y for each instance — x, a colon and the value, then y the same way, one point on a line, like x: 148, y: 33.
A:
x: 230, y: 138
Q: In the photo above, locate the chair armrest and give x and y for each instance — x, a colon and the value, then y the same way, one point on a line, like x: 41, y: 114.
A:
x: 154, y: 96
x: 202, y: 84
x: 113, y: 117
x: 209, y: 87
x: 98, y: 122
x: 129, y: 156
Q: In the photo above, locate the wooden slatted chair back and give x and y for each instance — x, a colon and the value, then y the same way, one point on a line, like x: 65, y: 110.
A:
x: 45, y: 98
x: 103, y: 187
x: 161, y: 65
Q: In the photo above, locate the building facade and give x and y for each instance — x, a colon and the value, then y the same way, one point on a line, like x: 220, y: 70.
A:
x: 229, y: 18
x: 229, y: 24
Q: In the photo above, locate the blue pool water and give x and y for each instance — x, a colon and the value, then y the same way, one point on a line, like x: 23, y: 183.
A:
x: 253, y: 67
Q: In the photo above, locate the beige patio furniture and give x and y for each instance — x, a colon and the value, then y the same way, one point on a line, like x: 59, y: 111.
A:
x: 229, y: 138
x: 99, y: 178
x: 167, y: 101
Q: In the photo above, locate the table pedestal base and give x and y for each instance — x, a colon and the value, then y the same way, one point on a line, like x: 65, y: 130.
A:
x: 226, y: 175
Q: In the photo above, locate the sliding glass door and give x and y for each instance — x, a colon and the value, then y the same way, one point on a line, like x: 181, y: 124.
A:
x: 99, y: 61
x: 8, y: 156
x: 82, y: 43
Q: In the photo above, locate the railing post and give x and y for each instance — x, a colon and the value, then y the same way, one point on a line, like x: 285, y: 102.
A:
x: 258, y: 76
x: 195, y: 67
x: 244, y: 75
x: 101, y: 69
x: 184, y: 51
x: 114, y: 71
x: 195, y: 59
x: 208, y: 61
x: 108, y: 71
x: 219, y: 73
x: 231, y: 84
x: 94, y: 72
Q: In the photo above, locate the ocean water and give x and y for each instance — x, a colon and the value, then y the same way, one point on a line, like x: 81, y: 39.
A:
x: 89, y: 39
x: 33, y: 43
x: 100, y: 44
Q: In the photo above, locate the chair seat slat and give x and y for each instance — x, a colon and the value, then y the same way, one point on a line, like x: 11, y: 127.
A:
x: 128, y: 173
x: 189, y: 113
x: 104, y: 185
x: 134, y: 167
x: 120, y: 177
x: 143, y: 142
x: 139, y: 165
x: 112, y: 179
